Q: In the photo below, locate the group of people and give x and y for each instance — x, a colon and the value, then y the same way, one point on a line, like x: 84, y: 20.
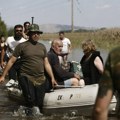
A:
x: 35, y: 67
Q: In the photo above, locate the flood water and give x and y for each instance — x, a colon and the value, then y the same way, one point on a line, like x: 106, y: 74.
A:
x: 7, y: 106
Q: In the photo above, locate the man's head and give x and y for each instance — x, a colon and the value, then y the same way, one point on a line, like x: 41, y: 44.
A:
x: 57, y: 46
x: 18, y: 29
x: 26, y: 23
x: 26, y: 26
x: 2, y: 38
x: 61, y: 35
x: 34, y: 28
x: 34, y: 32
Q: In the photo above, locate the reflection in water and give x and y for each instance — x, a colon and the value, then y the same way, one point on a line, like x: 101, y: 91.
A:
x: 7, y: 106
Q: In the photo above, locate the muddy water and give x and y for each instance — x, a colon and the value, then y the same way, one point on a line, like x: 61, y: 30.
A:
x: 7, y: 106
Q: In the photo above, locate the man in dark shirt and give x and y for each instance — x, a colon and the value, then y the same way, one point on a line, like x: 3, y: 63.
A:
x: 33, y: 62
x: 61, y: 75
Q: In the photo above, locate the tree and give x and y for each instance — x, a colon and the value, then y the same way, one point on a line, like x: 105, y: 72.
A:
x: 11, y: 31
x: 3, y: 28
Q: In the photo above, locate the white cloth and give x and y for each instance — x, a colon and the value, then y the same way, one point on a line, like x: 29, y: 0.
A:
x: 11, y: 43
x: 66, y: 43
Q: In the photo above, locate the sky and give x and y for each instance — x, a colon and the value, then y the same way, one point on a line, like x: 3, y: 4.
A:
x: 86, y: 13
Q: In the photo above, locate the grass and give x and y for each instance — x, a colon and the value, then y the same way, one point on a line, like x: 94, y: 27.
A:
x: 106, y: 39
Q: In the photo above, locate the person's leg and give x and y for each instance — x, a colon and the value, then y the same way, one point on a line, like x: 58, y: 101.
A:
x: 72, y: 82
x: 48, y: 85
x: 103, y: 99
x: 81, y: 83
x: 40, y: 93
x: 17, y: 67
x: 68, y: 82
x: 12, y: 73
x: 28, y: 91
x: 75, y: 82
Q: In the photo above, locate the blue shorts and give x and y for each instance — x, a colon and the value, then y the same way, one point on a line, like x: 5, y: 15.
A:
x: 68, y: 83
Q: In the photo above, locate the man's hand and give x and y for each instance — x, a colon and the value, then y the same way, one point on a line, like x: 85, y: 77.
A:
x: 54, y: 83
x: 2, y: 79
x: 77, y: 76
x: 3, y: 64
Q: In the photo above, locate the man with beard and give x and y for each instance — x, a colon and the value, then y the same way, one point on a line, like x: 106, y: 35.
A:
x: 9, y: 47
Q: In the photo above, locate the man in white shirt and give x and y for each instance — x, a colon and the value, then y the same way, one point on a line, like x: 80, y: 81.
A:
x: 9, y: 47
x: 66, y: 48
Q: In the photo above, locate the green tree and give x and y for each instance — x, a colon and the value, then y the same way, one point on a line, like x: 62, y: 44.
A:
x: 3, y: 28
x: 11, y: 31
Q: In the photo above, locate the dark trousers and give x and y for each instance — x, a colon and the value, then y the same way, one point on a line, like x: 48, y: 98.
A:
x: 33, y: 94
x: 14, y: 70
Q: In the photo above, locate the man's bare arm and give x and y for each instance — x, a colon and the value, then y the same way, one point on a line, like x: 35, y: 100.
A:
x: 7, y: 68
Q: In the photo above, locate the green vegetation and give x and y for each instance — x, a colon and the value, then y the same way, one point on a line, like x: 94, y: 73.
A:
x: 104, y: 38
x: 3, y: 28
x: 11, y: 31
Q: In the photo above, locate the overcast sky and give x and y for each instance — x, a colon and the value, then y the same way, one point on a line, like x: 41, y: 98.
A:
x: 87, y: 13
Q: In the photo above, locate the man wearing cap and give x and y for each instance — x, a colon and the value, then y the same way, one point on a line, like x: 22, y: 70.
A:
x: 33, y: 62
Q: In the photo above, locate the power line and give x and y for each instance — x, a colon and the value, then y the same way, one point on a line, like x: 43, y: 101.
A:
x: 78, y: 6
x: 72, y: 16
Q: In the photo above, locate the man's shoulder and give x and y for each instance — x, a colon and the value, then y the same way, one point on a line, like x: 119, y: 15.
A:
x: 114, y: 57
x: 23, y: 43
x: 66, y: 40
x: 23, y: 39
x: 42, y: 46
x: 116, y: 49
x: 39, y: 43
x: 10, y: 38
x: 51, y: 54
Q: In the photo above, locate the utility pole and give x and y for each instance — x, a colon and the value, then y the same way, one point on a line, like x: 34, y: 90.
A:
x: 72, y: 16
x: 32, y: 20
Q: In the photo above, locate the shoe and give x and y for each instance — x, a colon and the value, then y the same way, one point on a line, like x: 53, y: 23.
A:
x: 36, y: 111
x: 20, y: 112
x: 28, y: 111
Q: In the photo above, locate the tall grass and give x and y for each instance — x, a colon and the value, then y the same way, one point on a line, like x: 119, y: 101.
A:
x: 106, y: 39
